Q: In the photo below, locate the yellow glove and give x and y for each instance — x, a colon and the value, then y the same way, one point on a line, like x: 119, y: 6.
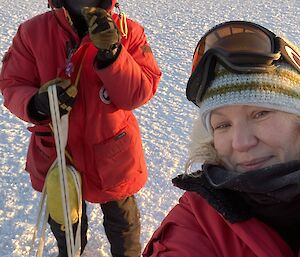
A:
x: 66, y: 94
x: 103, y: 30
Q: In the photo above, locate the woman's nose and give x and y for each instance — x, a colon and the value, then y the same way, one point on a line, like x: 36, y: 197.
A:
x: 243, y: 137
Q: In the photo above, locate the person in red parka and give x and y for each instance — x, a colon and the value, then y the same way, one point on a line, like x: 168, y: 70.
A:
x: 245, y: 199
x: 119, y: 74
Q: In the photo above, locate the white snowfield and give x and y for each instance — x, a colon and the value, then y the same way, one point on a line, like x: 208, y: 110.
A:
x: 173, y: 29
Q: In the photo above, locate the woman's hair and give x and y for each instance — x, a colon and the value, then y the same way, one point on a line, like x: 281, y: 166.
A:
x: 201, y: 148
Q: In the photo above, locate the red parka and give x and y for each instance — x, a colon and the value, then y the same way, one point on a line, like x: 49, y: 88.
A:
x: 104, y: 139
x: 193, y: 228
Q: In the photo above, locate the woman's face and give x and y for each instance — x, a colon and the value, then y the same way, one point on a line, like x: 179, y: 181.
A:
x: 251, y: 137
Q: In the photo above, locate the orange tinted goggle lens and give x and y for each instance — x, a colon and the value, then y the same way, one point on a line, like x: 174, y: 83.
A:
x: 234, y: 38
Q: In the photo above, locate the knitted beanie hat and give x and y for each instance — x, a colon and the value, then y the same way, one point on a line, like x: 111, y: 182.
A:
x: 279, y: 90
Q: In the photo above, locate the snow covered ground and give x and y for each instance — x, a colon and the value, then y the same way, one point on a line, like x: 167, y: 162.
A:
x: 173, y: 29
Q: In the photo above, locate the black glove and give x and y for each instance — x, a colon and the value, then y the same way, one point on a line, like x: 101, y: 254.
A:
x: 103, y: 33
x: 39, y: 108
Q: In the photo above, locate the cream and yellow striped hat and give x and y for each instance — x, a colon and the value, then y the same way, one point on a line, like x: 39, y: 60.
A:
x: 279, y: 90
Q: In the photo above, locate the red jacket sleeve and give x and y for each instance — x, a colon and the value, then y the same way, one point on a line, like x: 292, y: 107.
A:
x: 133, y: 78
x: 180, y: 235
x: 19, y: 78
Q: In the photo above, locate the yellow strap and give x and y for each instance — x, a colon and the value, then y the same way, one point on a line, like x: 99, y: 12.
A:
x: 123, y: 24
x: 68, y: 155
x: 80, y: 68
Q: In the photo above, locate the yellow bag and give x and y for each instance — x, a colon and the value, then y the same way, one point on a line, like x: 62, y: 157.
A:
x: 54, y: 198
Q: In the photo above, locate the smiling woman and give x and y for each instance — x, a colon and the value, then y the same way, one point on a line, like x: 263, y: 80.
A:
x: 245, y: 201
x: 251, y: 137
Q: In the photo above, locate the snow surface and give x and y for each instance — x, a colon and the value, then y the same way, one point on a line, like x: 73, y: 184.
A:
x: 173, y: 29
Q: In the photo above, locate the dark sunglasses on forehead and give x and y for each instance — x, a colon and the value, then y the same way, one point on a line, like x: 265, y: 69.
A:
x: 241, y: 47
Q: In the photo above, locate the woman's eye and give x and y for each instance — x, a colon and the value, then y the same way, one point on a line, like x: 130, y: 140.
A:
x: 261, y: 114
x: 221, y: 126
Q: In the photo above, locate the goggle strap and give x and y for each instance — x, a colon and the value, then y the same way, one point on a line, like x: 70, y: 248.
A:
x: 208, y: 76
x: 289, y: 54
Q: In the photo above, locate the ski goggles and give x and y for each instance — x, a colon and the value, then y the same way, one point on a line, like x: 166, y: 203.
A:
x: 241, y: 47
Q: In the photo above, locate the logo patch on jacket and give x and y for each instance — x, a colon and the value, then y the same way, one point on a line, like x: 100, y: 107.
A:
x: 104, y: 96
